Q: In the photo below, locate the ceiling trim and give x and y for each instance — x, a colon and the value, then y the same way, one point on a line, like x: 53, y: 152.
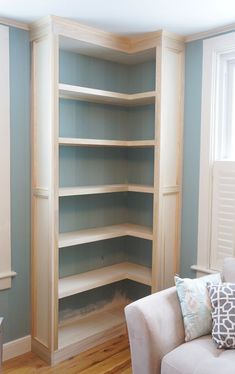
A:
x: 13, y: 23
x: 187, y: 38
x: 209, y: 33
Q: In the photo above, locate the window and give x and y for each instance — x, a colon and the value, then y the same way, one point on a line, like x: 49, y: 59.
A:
x: 216, y: 228
x: 5, y: 229
x: 225, y: 121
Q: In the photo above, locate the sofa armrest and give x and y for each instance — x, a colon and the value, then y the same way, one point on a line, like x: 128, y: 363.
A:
x: 155, y: 327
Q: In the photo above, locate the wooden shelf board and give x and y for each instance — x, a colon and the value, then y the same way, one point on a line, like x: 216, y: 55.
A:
x: 68, y: 91
x: 92, y: 325
x: 140, y: 188
x: 96, y: 278
x: 82, y: 142
x: 102, y: 233
x: 90, y: 190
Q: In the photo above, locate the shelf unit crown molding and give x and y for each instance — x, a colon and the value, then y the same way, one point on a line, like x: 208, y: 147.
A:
x: 130, y: 44
x: 13, y: 23
x: 72, y: 29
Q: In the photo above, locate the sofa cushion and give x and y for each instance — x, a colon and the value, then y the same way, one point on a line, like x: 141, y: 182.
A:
x: 195, y: 304
x: 229, y: 270
x: 199, y: 356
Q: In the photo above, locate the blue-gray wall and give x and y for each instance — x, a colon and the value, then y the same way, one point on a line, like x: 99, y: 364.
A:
x: 15, y: 302
x: 192, y: 127
x: 87, y: 166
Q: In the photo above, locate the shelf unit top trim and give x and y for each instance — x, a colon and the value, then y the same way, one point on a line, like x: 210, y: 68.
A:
x: 75, y: 30
x: 82, y: 282
x: 69, y: 239
x: 68, y: 91
x: 108, y: 188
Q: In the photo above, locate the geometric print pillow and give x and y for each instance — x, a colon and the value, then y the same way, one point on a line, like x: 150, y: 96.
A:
x: 222, y: 298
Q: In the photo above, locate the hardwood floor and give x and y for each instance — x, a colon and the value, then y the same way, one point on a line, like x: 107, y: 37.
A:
x: 108, y: 358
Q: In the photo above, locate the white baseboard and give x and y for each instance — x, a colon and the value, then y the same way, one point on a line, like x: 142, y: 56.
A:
x: 16, y: 347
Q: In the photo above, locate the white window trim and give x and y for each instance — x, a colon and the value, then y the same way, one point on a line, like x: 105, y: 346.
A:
x: 5, y: 208
x: 212, y: 50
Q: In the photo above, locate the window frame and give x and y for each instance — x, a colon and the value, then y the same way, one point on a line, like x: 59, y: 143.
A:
x: 213, y: 51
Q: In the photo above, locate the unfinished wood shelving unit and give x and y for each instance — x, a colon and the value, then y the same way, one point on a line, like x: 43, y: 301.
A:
x: 106, y: 178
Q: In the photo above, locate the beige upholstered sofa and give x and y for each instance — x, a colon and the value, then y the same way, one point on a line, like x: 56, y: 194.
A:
x: 156, y: 336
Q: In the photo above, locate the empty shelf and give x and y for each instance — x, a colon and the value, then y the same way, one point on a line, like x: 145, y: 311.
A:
x: 68, y: 239
x: 101, y: 322
x: 82, y: 142
x: 96, y: 278
x: 68, y: 91
x: 90, y: 190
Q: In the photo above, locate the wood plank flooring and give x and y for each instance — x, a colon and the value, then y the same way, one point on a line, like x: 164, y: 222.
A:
x: 112, y: 357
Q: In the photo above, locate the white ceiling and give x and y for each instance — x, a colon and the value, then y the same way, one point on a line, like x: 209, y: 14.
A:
x: 129, y: 16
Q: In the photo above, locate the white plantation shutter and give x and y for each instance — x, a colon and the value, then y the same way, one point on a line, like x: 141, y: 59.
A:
x: 223, y: 213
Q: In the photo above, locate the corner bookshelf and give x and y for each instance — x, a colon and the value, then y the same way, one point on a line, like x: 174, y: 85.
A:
x: 106, y: 179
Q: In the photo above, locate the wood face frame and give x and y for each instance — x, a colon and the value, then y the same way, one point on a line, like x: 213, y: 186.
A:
x: 52, y: 27
x: 163, y: 191
x: 156, y: 253
x: 55, y: 184
x: 48, y: 183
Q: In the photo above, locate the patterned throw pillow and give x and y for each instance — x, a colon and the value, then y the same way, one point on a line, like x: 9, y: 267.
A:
x: 223, y: 314
x: 195, y: 304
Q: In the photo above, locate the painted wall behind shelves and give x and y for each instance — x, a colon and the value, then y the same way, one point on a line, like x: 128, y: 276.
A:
x: 15, y: 302
x: 191, y: 163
